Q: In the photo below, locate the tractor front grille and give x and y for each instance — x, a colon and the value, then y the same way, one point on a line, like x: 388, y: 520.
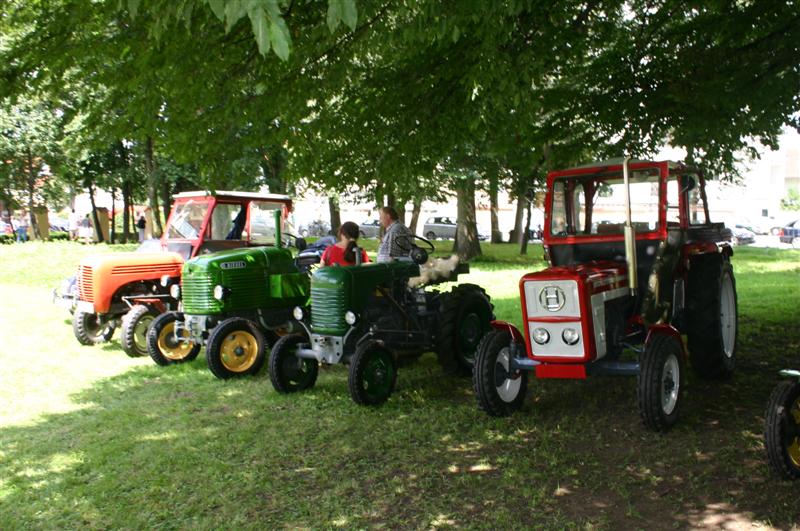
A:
x: 197, y: 293
x: 85, y: 286
x: 328, y: 309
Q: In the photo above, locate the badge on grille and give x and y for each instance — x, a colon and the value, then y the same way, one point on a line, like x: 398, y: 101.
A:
x: 233, y: 265
x: 552, y: 298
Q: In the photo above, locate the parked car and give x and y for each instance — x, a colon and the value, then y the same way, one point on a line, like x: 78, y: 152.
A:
x: 791, y: 233
x: 370, y: 228
x: 440, y: 227
x: 58, y: 225
x: 743, y: 235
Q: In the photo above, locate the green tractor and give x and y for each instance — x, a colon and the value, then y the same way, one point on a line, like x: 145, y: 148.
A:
x: 370, y: 317
x: 236, y: 303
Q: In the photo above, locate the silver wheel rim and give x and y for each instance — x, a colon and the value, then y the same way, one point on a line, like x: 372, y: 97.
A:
x: 140, y: 332
x: 727, y: 316
x: 508, y: 390
x: 670, y: 384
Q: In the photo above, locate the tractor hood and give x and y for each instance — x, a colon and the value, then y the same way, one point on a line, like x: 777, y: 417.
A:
x: 277, y: 260
x: 133, y: 262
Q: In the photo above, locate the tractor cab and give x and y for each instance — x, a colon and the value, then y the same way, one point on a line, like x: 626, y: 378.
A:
x: 205, y: 222
x: 635, y: 262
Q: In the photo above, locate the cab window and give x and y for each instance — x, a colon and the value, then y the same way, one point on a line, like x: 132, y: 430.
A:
x: 262, y: 222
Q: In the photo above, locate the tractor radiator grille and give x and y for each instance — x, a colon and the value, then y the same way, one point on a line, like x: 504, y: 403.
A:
x: 327, y: 310
x: 85, y: 287
x: 197, y: 294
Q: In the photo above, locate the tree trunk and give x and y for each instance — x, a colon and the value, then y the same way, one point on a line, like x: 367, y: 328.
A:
x: 466, y: 244
x: 166, y: 202
x: 152, y: 186
x: 497, y: 236
x: 519, y: 217
x: 126, y: 210
x: 415, y: 215
x: 31, y: 182
x: 523, y: 246
x: 113, y: 233
x: 336, y: 216
x: 95, y: 217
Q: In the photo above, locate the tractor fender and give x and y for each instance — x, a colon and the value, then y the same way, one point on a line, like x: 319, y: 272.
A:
x: 516, y: 335
x: 665, y: 329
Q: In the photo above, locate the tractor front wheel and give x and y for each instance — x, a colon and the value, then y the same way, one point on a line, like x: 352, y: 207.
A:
x: 782, y: 430
x: 660, y: 383
x: 135, y: 324
x: 90, y: 329
x: 464, y: 318
x: 288, y: 372
x: 235, y: 348
x: 163, y: 345
x: 499, y: 390
x: 373, y: 374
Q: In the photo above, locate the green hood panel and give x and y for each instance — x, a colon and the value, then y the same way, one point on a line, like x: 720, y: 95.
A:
x: 335, y: 290
x: 258, y: 277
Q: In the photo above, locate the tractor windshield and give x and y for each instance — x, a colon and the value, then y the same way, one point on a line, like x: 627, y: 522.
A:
x: 187, y: 220
x: 595, y: 204
x: 262, y: 222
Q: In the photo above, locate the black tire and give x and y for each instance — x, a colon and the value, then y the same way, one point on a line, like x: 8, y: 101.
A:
x: 430, y: 235
x: 782, y: 430
x: 373, y: 374
x: 135, y: 325
x: 90, y: 330
x: 465, y: 315
x: 491, y: 375
x: 659, y: 388
x: 712, y: 293
x: 287, y: 372
x: 161, y: 344
x: 236, y: 347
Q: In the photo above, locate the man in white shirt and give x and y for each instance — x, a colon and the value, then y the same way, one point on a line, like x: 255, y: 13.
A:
x: 396, y: 240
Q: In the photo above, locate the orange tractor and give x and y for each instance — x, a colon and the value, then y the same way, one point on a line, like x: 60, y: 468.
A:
x: 132, y: 289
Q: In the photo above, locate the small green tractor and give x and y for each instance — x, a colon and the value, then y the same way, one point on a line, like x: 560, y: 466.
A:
x: 236, y: 303
x: 369, y: 317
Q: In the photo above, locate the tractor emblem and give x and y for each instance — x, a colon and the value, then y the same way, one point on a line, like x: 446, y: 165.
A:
x: 552, y: 298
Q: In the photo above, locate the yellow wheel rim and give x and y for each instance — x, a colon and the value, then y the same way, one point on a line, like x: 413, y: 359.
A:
x: 794, y: 447
x: 239, y: 351
x: 171, y: 349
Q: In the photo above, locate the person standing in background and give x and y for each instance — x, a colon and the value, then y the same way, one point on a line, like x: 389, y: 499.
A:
x: 74, y: 223
x: 396, y: 241
x: 141, y: 224
x: 22, y: 228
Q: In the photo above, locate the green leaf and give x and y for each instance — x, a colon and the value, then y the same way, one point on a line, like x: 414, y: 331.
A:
x: 349, y: 13
x: 133, y: 7
x: 261, y: 29
x: 234, y: 11
x: 280, y: 38
x: 218, y: 7
x: 334, y: 14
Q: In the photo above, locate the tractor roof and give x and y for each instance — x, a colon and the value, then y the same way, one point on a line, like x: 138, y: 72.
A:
x: 234, y: 195
x: 617, y: 161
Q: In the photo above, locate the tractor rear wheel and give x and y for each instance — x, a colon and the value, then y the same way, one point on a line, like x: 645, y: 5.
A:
x: 782, y: 430
x: 660, y: 383
x: 712, y: 322
x: 236, y: 348
x: 135, y: 324
x: 465, y: 315
x: 373, y: 374
x: 89, y: 328
x: 288, y: 372
x: 499, y: 390
x: 162, y: 345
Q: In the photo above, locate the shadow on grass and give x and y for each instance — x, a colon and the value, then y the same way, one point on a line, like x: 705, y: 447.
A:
x: 174, y: 447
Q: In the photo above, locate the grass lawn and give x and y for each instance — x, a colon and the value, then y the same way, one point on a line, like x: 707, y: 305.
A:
x: 90, y: 438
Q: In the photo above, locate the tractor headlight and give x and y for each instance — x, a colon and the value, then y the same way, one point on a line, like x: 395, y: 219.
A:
x: 164, y: 281
x: 175, y: 291
x: 570, y: 336
x: 298, y: 313
x: 220, y: 292
x: 541, y: 336
x: 350, y: 317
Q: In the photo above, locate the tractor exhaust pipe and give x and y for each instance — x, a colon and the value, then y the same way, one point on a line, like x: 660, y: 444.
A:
x: 630, y: 233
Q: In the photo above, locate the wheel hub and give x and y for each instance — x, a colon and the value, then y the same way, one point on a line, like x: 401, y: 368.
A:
x: 507, y: 384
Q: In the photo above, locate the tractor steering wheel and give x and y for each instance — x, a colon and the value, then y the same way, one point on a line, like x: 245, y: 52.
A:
x: 406, y: 243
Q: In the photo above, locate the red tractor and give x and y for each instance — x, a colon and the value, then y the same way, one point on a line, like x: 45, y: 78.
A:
x: 635, y: 263
x: 132, y: 289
